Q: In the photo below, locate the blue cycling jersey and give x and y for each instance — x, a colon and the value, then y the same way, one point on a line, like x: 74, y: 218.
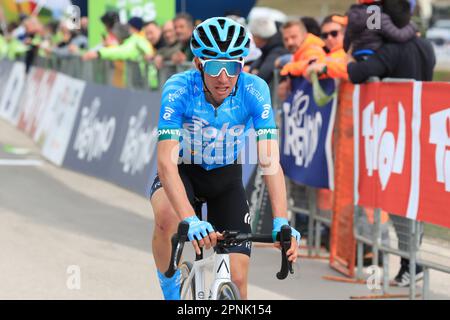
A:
x: 213, y: 137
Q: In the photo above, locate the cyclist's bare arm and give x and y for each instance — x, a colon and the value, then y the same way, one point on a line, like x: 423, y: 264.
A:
x: 170, y: 178
x: 269, y: 161
x: 173, y: 186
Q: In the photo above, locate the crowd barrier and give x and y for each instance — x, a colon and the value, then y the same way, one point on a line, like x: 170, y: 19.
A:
x: 121, y: 74
x: 400, y: 166
x: 111, y: 133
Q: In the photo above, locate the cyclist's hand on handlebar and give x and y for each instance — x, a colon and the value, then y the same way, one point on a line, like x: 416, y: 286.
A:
x: 293, y: 250
x: 201, y: 233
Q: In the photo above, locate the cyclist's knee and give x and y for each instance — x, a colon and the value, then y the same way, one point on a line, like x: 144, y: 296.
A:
x: 239, y: 279
x: 239, y: 269
x: 166, y: 220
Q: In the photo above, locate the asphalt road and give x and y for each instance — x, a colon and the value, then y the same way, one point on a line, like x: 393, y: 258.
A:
x: 64, y: 235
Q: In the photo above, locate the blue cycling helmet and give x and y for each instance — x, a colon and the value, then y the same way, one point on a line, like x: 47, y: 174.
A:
x: 220, y: 37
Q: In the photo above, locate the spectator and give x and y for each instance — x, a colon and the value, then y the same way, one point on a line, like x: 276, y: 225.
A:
x: 84, y: 26
x: 268, y: 39
x: 172, y: 45
x: 73, y: 42
x: 255, y: 52
x: 365, y: 41
x: 134, y: 48
x: 305, y: 47
x: 413, y: 59
x: 153, y: 33
x: 311, y: 25
x: 335, y: 64
x: 109, y: 20
x: 16, y: 47
x: 32, y: 40
x: 184, y: 25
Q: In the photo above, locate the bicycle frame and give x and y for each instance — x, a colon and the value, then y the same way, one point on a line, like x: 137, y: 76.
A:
x: 221, y: 259
x: 222, y: 273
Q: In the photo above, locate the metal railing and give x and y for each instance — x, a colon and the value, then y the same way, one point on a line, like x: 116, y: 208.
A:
x: 128, y: 74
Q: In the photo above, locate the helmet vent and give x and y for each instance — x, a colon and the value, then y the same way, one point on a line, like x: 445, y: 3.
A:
x: 195, y: 44
x: 247, y: 45
x: 241, y: 37
x: 204, y: 37
x: 236, y: 53
x: 221, y: 22
x: 207, y: 52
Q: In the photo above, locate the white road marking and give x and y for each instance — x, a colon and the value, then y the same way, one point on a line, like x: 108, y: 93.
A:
x: 20, y: 162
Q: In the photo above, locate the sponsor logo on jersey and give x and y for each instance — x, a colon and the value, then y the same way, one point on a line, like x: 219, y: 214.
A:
x: 251, y: 89
x: 177, y: 94
x: 266, y: 113
x: 172, y: 132
x: 168, y: 111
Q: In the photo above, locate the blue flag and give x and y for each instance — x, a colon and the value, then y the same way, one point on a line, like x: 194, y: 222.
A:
x: 306, y: 153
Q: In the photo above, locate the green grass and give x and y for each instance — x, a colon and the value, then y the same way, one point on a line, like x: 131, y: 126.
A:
x: 441, y: 76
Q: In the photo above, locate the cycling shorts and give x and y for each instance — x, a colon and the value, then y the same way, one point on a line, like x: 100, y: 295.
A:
x: 224, y: 194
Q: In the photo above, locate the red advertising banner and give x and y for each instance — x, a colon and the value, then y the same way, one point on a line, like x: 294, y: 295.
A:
x: 402, y: 135
x: 434, y: 204
x: 385, y: 116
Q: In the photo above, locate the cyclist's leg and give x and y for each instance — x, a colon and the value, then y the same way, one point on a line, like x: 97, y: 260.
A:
x: 239, y: 264
x: 229, y: 211
x: 166, y: 223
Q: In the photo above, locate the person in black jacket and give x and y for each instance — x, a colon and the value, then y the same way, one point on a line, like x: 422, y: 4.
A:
x: 268, y: 39
x: 365, y: 39
x: 414, y: 59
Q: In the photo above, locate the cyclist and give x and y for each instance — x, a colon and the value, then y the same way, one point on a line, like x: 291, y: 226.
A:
x: 205, y: 117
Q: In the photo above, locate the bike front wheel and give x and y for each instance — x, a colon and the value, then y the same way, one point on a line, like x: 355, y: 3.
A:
x: 228, y: 291
x: 185, y: 269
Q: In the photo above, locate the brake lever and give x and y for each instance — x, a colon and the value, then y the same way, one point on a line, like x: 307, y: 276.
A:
x: 178, y: 240
x: 285, y: 242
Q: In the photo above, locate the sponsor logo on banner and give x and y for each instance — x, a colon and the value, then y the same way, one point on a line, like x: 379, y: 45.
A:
x: 404, y: 134
x: 301, y: 130
x: 440, y: 137
x: 306, y: 155
x: 434, y: 166
x: 94, y: 135
x: 385, y: 149
x: 383, y: 152
x: 139, y: 145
